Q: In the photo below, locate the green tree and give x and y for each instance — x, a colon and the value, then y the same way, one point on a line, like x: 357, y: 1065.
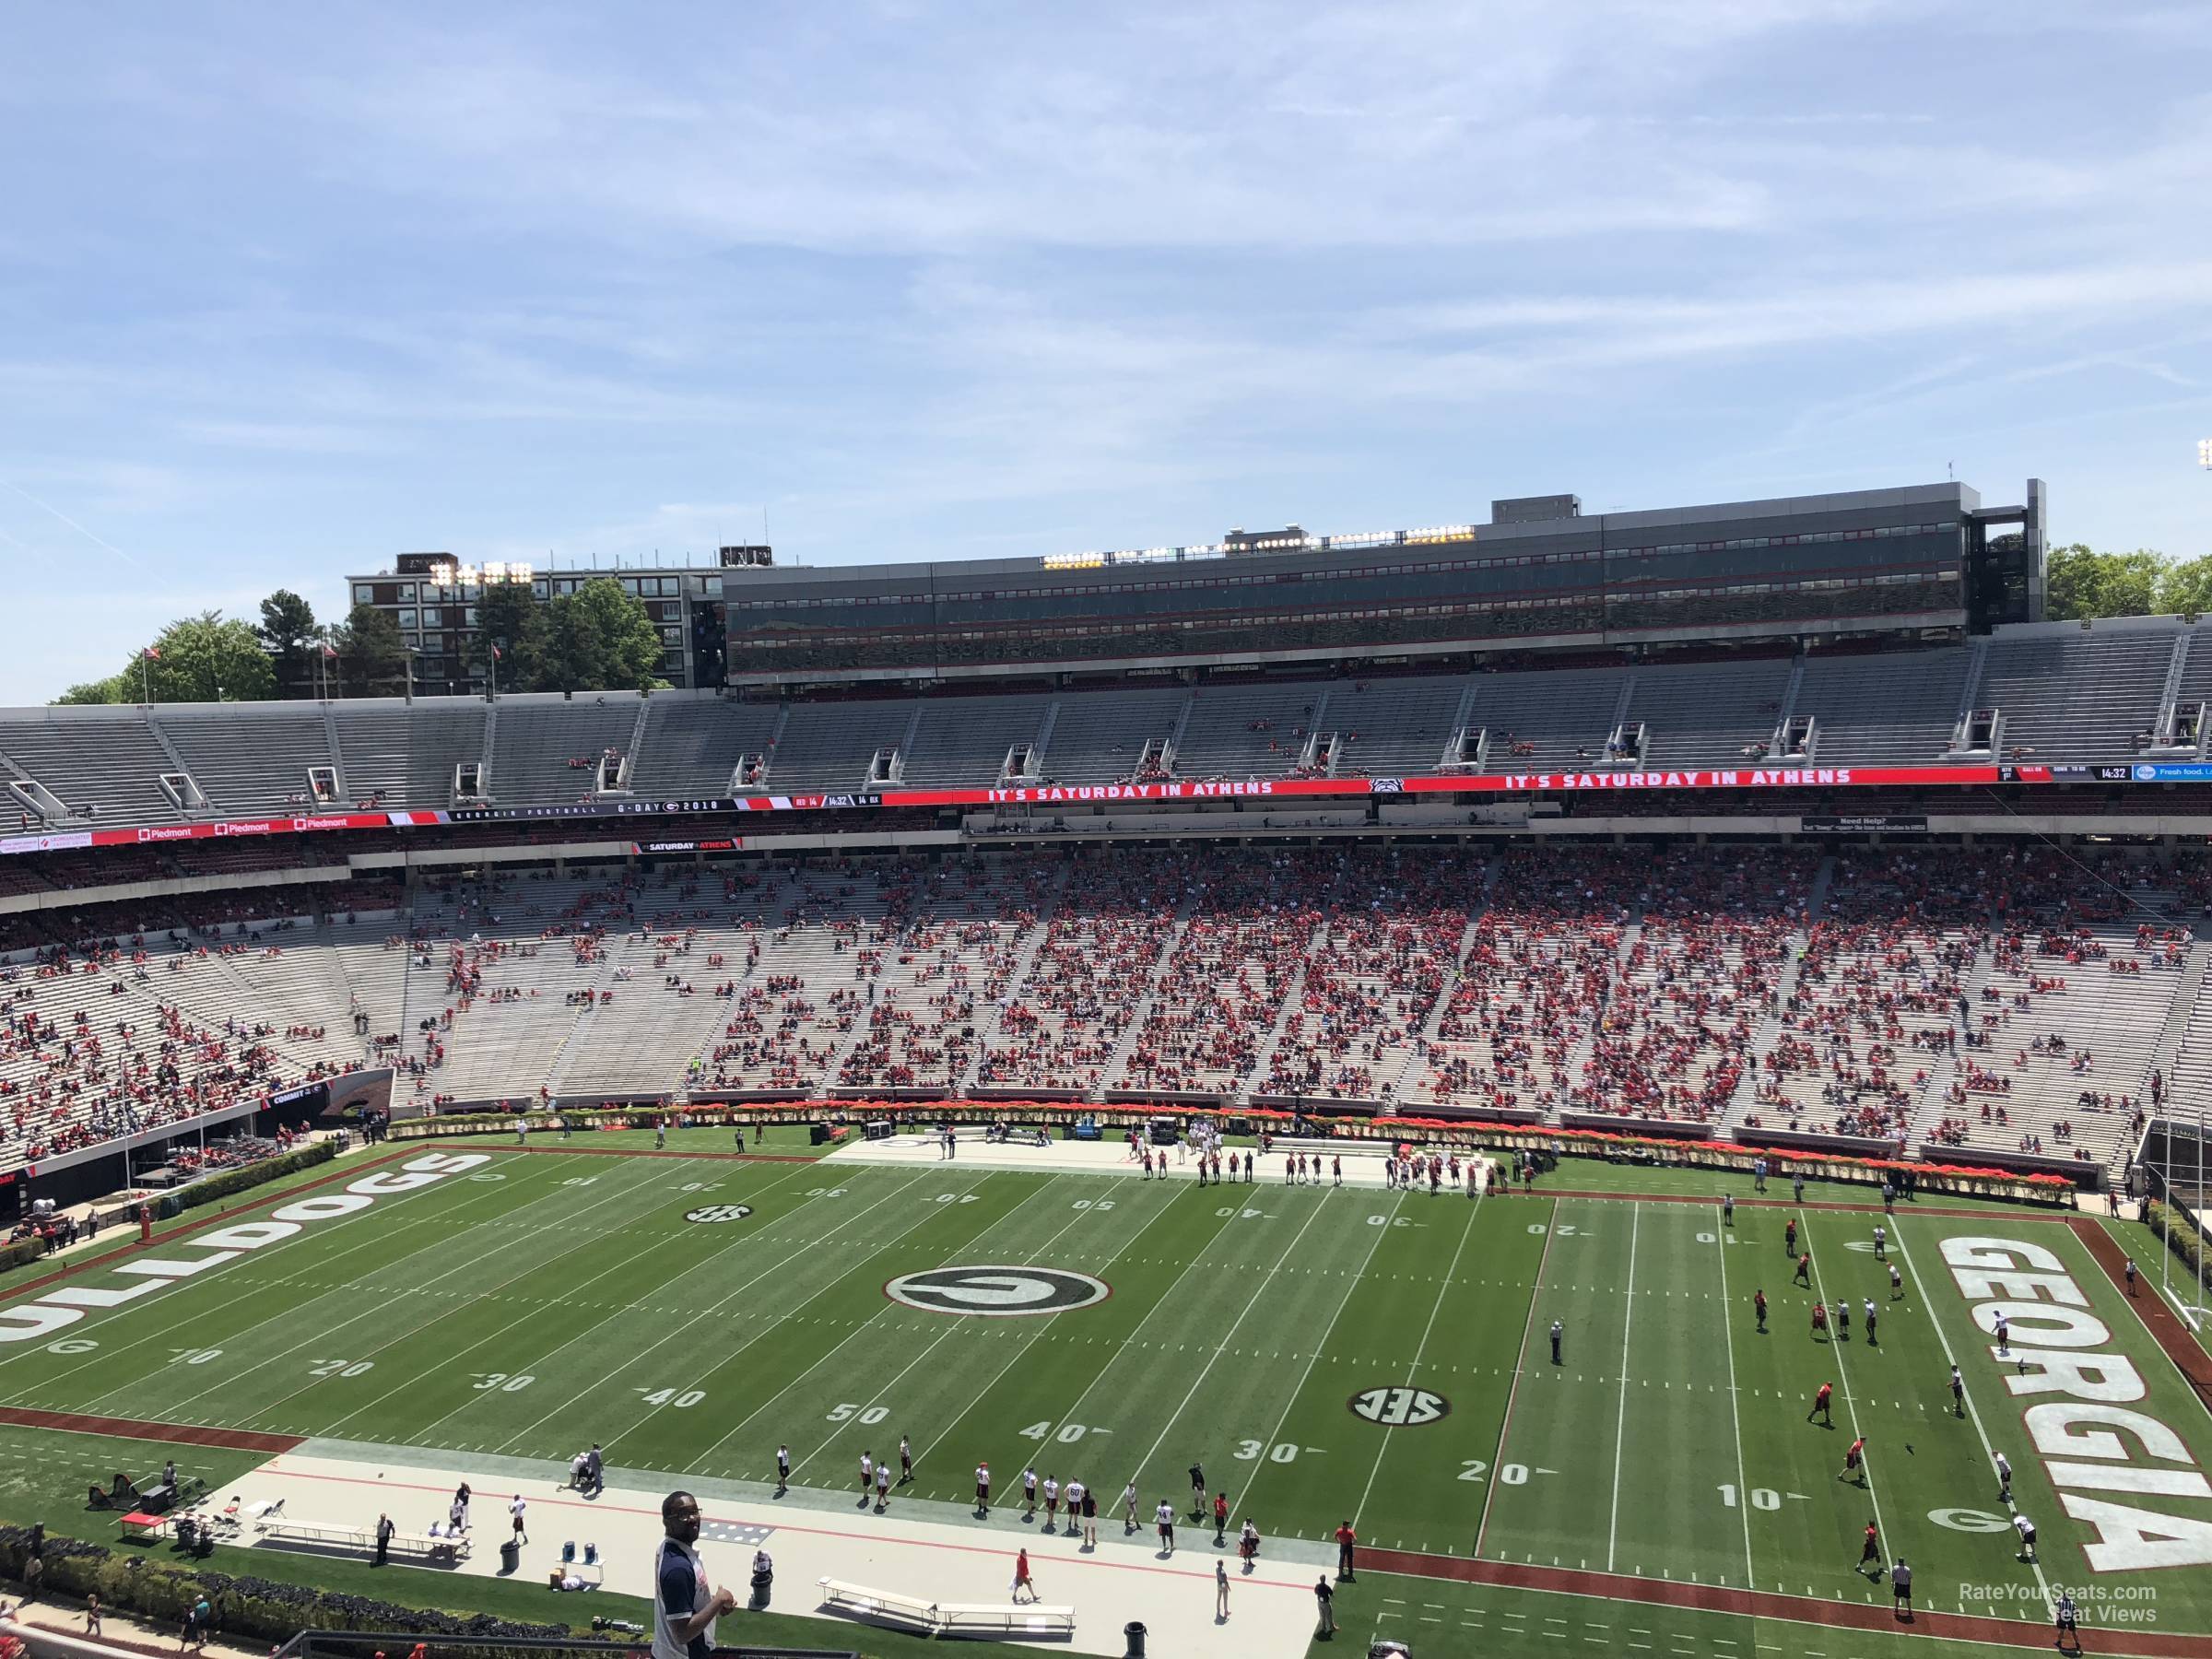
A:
x: 372, y: 658
x: 510, y: 618
x: 2185, y: 588
x: 600, y: 638
x: 2082, y: 583
x: 287, y: 630
x: 203, y: 659
x: 113, y: 690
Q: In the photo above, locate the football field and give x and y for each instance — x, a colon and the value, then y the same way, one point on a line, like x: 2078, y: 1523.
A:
x: 1325, y: 1354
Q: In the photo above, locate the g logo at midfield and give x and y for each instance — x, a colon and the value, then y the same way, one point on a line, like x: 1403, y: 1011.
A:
x: 997, y: 1292
x: 719, y: 1212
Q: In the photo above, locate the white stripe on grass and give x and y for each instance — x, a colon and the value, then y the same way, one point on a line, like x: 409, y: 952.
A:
x: 1620, y: 1421
x: 708, y: 1312
x: 1850, y: 1409
x: 1023, y: 1347
x: 1222, y: 1347
x: 378, y: 1310
x: 447, y: 1360
x: 1989, y: 1453
x: 1505, y: 1422
x: 876, y: 1396
x: 199, y: 1319
x: 1736, y: 1413
x: 1414, y: 1373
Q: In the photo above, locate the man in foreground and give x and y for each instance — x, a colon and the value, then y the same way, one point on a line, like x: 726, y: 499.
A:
x: 684, y: 1609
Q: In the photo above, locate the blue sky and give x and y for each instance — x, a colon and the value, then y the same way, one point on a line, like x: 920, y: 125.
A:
x: 285, y: 290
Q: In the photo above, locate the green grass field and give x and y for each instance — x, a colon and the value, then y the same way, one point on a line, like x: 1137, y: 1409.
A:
x: 1325, y: 1353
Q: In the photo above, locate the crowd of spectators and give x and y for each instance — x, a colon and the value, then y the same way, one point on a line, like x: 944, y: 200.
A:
x: 2004, y: 997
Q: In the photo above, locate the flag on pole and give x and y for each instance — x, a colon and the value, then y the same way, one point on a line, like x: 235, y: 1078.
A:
x: 153, y: 654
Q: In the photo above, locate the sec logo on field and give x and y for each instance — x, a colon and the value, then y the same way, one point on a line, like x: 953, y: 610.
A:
x: 997, y: 1292
x: 1398, y: 1407
x: 719, y: 1212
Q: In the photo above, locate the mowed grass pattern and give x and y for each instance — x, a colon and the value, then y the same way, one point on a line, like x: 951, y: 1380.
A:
x: 542, y: 1301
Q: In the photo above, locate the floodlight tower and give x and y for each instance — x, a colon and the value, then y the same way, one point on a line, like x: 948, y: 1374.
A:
x: 2204, y: 454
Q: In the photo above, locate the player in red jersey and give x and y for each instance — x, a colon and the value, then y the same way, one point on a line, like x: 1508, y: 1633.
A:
x: 1854, y: 1461
x: 1820, y: 1406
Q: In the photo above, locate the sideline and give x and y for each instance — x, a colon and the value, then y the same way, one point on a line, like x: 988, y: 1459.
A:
x: 182, y: 1434
x: 1791, y: 1609
x: 2166, y: 1329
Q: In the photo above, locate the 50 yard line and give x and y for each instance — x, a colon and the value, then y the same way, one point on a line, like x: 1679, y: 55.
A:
x: 1620, y: 1422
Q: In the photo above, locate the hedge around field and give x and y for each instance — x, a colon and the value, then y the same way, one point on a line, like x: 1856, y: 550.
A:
x: 261, y: 1609
x: 227, y: 1181
x: 2172, y: 1224
x: 1468, y: 1133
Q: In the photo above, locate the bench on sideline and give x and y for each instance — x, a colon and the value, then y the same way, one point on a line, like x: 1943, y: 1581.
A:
x: 316, y: 1535
x: 945, y: 1618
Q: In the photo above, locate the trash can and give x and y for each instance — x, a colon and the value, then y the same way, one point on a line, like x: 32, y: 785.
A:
x: 818, y: 1135
x: 511, y: 1556
x: 1134, y: 1633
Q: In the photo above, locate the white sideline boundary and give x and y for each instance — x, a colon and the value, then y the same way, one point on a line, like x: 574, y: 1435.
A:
x: 1362, y: 1160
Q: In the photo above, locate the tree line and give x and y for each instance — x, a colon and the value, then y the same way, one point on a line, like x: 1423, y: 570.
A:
x: 2082, y: 583
x: 597, y: 639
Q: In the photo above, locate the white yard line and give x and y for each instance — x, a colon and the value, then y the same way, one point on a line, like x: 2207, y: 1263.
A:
x: 1015, y: 1359
x: 200, y: 1317
x: 1850, y: 1410
x: 413, y: 1288
x: 2187, y: 1312
x: 569, y: 1293
x: 951, y: 1325
x: 1519, y: 1363
x: 1397, y: 1203
x: 1735, y: 1414
x: 1197, y: 1260
x: 1989, y: 1455
x: 537, y: 1265
x: 1620, y: 1421
x: 1222, y: 1347
x: 717, y: 1307
x: 1414, y: 1377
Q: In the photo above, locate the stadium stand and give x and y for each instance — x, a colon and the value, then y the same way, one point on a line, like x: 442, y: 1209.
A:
x: 251, y: 765
x: 2010, y: 996
x: 548, y: 751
